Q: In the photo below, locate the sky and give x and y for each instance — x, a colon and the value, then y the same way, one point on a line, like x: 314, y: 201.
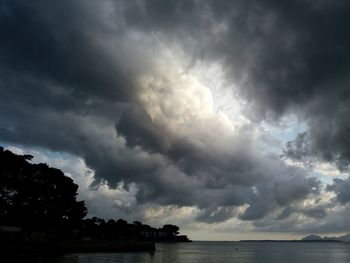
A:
x: 228, y: 118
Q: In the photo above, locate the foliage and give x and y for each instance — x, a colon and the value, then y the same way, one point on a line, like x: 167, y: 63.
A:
x: 36, y: 196
x: 172, y: 229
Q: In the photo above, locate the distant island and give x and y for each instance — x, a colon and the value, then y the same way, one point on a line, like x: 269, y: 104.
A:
x: 40, y: 213
x: 316, y: 238
x: 309, y: 238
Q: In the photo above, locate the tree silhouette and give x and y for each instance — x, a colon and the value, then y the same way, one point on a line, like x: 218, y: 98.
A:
x: 171, y: 229
x: 36, y: 196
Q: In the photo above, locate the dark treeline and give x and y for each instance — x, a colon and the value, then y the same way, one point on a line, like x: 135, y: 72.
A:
x: 38, y: 201
x: 96, y: 228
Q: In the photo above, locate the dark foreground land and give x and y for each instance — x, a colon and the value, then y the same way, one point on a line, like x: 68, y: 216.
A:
x: 61, y: 247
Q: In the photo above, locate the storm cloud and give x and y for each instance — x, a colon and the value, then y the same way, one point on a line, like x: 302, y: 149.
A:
x: 133, y: 88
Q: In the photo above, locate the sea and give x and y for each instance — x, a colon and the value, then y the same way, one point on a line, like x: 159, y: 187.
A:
x: 220, y: 252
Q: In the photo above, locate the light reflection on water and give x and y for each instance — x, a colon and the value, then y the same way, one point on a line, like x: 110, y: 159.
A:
x: 221, y: 252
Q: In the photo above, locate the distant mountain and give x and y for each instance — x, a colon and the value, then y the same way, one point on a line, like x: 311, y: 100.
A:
x: 345, y: 238
x: 309, y: 238
x: 312, y: 238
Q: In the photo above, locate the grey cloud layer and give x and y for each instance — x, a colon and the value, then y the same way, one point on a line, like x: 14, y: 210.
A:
x: 287, y: 57
x: 69, y: 81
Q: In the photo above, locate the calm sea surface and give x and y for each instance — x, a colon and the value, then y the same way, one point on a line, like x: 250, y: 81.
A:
x: 221, y: 252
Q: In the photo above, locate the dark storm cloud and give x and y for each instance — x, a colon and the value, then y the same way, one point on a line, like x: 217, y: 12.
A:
x: 288, y: 57
x: 54, y: 72
x: 69, y: 82
x: 228, y: 180
x: 157, y: 14
x: 291, y: 51
x: 317, y: 213
x: 137, y: 126
x: 281, y: 192
x: 139, y: 130
x: 296, y: 58
x: 56, y: 43
x: 341, y: 189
